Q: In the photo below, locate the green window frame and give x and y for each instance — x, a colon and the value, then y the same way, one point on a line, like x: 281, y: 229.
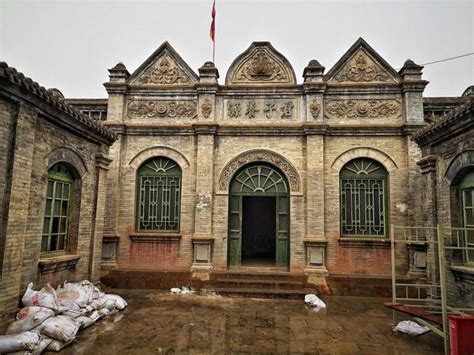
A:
x: 363, y: 199
x: 466, y: 190
x: 159, y: 195
x: 57, y: 213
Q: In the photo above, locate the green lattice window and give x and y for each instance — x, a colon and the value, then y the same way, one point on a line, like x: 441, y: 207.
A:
x: 467, y: 205
x: 159, y: 195
x: 57, y: 214
x: 363, y: 195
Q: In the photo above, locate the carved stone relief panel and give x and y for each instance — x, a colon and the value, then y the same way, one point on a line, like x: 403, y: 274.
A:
x: 361, y: 108
x: 206, y: 108
x: 262, y: 108
x: 361, y: 68
x: 314, y: 108
x: 161, y: 109
x: 164, y: 72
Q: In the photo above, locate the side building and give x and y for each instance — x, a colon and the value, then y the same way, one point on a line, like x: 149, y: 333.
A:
x: 53, y: 179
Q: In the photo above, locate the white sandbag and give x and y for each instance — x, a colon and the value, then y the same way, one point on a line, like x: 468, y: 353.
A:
x: 98, y: 303
x: 175, y: 290
x: 314, y: 301
x: 410, y: 328
x: 104, y: 312
x: 74, y: 293
x: 109, y: 304
x: 94, y: 290
x: 44, y: 343
x: 46, y: 297
x: 34, y: 317
x: 18, y: 342
x: 85, y: 321
x: 57, y: 345
x: 120, y: 303
x: 61, y: 328
x: 94, y: 315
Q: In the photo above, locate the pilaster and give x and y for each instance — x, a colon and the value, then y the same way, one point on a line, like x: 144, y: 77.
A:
x: 412, y: 89
x: 314, y: 88
x: 207, y: 88
x: 116, y: 88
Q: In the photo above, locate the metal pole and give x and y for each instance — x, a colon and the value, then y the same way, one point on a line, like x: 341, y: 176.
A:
x: 442, y: 283
x: 392, y: 251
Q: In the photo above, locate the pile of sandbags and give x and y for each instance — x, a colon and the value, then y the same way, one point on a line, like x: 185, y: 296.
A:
x: 51, y: 318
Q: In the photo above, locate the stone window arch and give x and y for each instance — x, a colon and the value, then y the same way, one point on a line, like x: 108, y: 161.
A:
x: 375, y: 154
x: 158, y: 195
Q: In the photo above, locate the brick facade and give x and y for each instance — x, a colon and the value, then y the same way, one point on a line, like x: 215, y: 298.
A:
x: 38, y: 130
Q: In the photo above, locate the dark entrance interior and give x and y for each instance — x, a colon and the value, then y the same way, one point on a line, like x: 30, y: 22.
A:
x: 258, y: 230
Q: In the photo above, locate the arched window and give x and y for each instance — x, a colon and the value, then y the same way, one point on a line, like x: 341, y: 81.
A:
x: 466, y: 190
x: 57, y: 214
x: 159, y: 195
x: 363, y: 196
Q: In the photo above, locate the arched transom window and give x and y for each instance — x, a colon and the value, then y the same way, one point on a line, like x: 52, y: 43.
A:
x: 259, y: 179
x: 159, y: 195
x: 363, y: 196
x: 57, y: 213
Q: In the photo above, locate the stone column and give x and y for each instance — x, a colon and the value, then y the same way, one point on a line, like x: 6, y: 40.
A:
x: 203, y: 238
x: 207, y: 88
x: 314, y: 87
x: 101, y: 167
x: 116, y: 88
x: 412, y: 89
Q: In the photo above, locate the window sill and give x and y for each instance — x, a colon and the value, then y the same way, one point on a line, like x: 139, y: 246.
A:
x: 150, y: 238
x: 375, y: 242
x: 463, y: 273
x: 51, y: 264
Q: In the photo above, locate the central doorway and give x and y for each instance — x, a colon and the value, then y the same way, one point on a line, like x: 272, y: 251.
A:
x: 258, y: 230
x: 259, y: 218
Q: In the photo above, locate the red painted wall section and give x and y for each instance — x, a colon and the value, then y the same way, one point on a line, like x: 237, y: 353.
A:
x: 154, y: 253
x: 361, y: 260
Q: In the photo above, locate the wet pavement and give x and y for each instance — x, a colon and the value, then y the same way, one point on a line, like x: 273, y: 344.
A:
x: 158, y: 322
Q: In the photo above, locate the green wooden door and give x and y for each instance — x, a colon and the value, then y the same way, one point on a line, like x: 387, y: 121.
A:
x: 259, y: 180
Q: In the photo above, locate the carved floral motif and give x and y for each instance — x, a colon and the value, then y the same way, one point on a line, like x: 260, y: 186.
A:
x: 251, y: 109
x: 361, y: 70
x: 206, y: 108
x: 233, y: 109
x: 269, y: 109
x: 287, y: 109
x: 314, y: 108
x: 151, y: 109
x: 261, y: 67
x: 362, y: 108
x: 165, y: 72
x: 260, y: 156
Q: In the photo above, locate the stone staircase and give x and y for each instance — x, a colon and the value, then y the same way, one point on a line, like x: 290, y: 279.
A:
x: 259, y: 284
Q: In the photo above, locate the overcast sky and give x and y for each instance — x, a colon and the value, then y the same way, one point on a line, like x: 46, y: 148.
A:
x: 71, y: 44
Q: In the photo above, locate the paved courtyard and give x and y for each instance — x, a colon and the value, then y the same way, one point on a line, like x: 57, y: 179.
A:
x: 159, y: 322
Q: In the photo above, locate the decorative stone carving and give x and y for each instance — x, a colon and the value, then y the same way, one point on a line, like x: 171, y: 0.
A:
x: 262, y: 156
x: 287, y: 109
x: 261, y: 68
x: 362, y: 109
x: 251, y: 109
x: 152, y: 109
x: 233, y: 108
x: 206, y: 108
x: 165, y: 72
x: 260, y: 64
x: 314, y: 108
x: 269, y: 108
x: 361, y: 69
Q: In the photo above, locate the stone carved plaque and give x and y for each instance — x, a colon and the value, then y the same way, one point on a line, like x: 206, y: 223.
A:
x: 361, y: 69
x: 164, y: 72
x: 206, y: 108
x: 261, y: 156
x: 314, y: 108
x: 262, y: 108
x: 261, y: 67
x: 153, y: 109
x: 362, y: 109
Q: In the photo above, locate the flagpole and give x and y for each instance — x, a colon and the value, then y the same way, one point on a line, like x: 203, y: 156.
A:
x: 213, y: 31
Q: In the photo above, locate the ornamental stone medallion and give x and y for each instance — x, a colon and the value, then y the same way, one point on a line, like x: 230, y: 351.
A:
x: 164, y: 72
x: 361, y: 68
x: 206, y: 108
x: 161, y: 109
x: 260, y: 64
x: 335, y: 109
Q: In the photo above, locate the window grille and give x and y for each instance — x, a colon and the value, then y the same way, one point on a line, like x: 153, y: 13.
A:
x: 57, y: 213
x: 159, y: 194
x: 259, y: 178
x: 363, y: 197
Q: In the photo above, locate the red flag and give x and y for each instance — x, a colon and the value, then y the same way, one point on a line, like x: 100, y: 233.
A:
x: 212, y: 32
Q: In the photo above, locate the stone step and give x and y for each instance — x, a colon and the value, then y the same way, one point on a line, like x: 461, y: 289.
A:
x: 258, y: 283
x: 258, y: 275
x: 260, y: 292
